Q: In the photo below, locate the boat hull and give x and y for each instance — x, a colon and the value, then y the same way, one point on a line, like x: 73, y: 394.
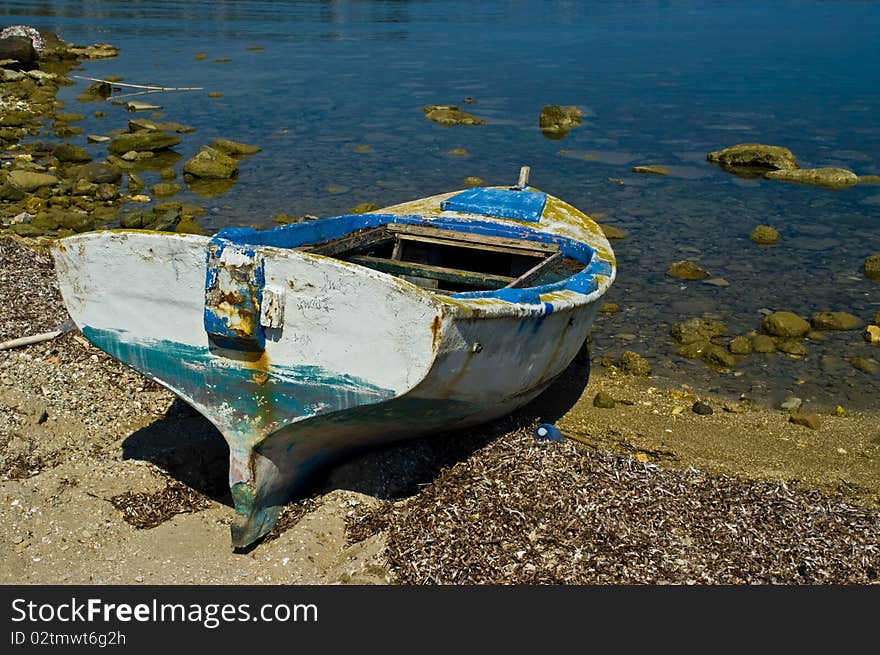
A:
x: 297, y: 357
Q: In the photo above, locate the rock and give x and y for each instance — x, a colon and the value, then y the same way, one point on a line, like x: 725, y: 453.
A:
x: 603, y: 400
x: 27, y: 230
x: 31, y: 33
x: 211, y: 164
x: 609, y: 308
x: 97, y: 138
x: 165, y: 189
x: 830, y: 178
x: 84, y: 188
x: 872, y: 267
x: 18, y: 48
x: 99, y: 173
x: 835, y: 321
x: 697, y: 329
x: 77, y: 221
x: 686, y: 270
x: 136, y: 219
x: 142, y: 140
x: 188, y: 225
x: 234, y: 148
x: 612, y: 232
x: 764, y: 235
x: 633, y: 364
x: 761, y: 343
x: 811, y: 421
x: 653, y: 169
x: 69, y: 153
x: 472, y: 181
x: 791, y: 347
x: 735, y: 408
x: 754, y: 155
x: 135, y: 105
x: 556, y: 121
x: 364, y: 208
x: 791, y: 403
x: 701, y: 408
x: 872, y: 334
x: 106, y: 191
x: 30, y: 181
x: 694, y: 349
x: 459, y: 152
x: 718, y: 357
x: 785, y: 324
x: 740, y: 345
x: 840, y: 411
x: 10, y: 192
x: 450, y: 115
x: 166, y: 222
x: 137, y: 124
x: 876, y: 320
x: 135, y: 183
x: 131, y: 155
x: 864, y: 365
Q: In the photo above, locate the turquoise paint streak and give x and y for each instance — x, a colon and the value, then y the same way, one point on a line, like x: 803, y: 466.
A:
x: 234, y: 396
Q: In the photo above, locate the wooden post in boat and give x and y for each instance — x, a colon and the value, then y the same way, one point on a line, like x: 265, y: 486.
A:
x: 523, y: 177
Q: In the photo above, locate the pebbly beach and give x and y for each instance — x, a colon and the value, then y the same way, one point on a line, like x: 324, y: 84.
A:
x: 740, y: 448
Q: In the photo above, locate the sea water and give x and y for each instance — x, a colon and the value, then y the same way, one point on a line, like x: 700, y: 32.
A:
x: 333, y: 92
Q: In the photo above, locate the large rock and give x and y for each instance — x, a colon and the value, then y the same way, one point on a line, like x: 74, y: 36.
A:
x: 764, y: 235
x: 633, y: 364
x: 30, y: 181
x: 830, y: 178
x: 19, y: 48
x: 835, y: 321
x: 785, y: 324
x: 450, y: 115
x: 99, y: 173
x: 211, y: 164
x: 754, y: 155
x: 556, y: 121
x: 142, y: 141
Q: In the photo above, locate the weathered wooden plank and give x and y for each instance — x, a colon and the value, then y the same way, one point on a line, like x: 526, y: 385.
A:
x: 360, y: 239
x: 554, y: 262
x: 469, y: 239
x: 471, y: 278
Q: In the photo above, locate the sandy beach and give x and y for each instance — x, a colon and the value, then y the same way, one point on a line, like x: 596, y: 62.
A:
x: 107, y: 479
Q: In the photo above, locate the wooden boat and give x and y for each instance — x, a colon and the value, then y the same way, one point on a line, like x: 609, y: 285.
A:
x: 301, y: 342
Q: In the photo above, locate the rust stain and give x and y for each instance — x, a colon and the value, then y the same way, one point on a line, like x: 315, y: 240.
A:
x: 436, y: 323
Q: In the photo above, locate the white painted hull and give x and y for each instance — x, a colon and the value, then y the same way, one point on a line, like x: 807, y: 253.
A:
x: 360, y: 357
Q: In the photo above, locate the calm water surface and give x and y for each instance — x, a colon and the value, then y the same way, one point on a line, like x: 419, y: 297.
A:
x: 661, y: 82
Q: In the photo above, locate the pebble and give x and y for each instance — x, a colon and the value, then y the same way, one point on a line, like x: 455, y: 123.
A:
x: 702, y: 409
x: 603, y: 400
x: 791, y: 403
x: 811, y: 421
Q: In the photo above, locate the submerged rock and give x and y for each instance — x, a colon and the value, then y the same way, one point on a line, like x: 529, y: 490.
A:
x: 754, y: 155
x: 211, y: 164
x: 764, y: 235
x: 830, y: 178
x: 473, y: 181
x: 556, y: 121
x: 612, y: 232
x: 364, y: 207
x: 450, y: 115
x: 633, y: 364
x: 718, y: 357
x: 835, y: 321
x: 687, y: 270
x: 165, y: 189
x: 652, y: 169
x: 234, y: 148
x: 865, y: 365
x: 791, y: 346
x: 785, y: 324
x: 872, y: 334
x: 762, y: 343
x: 872, y: 267
x: 697, y: 329
x: 740, y: 345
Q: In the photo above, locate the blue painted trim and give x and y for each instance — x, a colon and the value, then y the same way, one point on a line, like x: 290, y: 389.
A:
x: 313, y: 232
x: 502, y: 203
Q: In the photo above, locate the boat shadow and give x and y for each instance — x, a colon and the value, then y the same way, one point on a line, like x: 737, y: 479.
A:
x: 191, y: 450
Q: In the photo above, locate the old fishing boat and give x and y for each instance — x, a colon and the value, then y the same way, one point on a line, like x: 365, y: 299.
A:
x: 301, y: 342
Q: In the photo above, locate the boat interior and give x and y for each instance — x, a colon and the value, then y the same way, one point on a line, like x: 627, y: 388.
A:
x: 452, y: 261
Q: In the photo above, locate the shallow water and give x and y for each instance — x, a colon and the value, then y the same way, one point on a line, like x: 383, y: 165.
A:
x: 661, y: 83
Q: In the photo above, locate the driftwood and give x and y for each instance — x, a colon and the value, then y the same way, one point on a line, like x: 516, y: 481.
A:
x: 65, y: 327
x: 145, y: 88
